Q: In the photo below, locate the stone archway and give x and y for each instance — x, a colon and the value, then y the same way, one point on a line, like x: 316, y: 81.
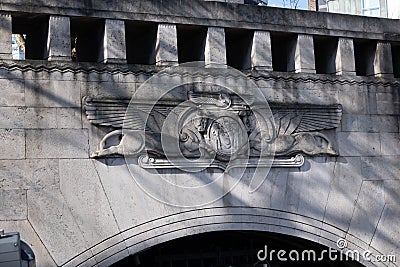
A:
x: 213, y: 220
x: 237, y: 248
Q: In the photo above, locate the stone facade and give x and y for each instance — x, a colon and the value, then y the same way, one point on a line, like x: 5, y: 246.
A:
x: 74, y: 210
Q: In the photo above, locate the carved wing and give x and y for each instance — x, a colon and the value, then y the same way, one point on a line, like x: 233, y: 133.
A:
x: 305, y: 118
x: 115, y: 113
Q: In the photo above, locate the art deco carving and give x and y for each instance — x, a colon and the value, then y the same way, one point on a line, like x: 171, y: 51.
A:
x: 218, y: 126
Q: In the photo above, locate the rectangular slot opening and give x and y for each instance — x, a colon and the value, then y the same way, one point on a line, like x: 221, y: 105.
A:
x: 238, y: 48
x: 325, y: 49
x: 141, y: 40
x: 396, y: 59
x: 29, y: 36
x: 87, y: 39
x: 283, y: 47
x: 191, y: 43
x: 364, y: 52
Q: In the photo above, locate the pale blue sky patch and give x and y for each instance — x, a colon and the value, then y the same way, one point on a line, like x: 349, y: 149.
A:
x: 303, y: 4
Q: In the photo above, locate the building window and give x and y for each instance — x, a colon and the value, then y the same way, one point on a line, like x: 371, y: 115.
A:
x: 238, y: 48
x: 86, y: 39
x: 371, y: 8
x: 29, y: 36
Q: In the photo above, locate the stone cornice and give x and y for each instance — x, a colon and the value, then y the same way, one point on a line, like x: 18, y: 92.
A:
x: 114, y: 69
x: 218, y: 14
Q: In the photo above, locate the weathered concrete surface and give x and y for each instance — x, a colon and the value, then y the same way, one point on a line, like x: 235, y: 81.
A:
x: 94, y: 209
x: 75, y: 210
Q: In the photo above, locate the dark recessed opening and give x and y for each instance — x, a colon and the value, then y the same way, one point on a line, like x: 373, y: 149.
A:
x: 364, y: 52
x: 396, y: 59
x: 238, y: 48
x: 325, y: 49
x: 191, y: 43
x: 141, y: 40
x: 30, y: 32
x: 87, y: 39
x: 283, y: 47
x: 236, y: 248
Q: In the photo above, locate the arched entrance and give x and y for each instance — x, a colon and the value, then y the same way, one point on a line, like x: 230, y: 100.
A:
x: 237, y: 249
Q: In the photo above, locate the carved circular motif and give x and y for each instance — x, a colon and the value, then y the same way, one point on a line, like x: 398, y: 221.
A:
x: 227, y: 136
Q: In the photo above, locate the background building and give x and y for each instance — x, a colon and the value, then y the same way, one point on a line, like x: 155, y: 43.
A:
x: 373, y: 8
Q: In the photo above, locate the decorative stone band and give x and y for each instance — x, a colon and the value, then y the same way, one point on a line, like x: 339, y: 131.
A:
x: 147, y: 162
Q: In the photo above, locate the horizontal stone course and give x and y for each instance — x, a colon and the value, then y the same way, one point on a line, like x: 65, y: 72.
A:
x: 28, y: 174
x: 57, y: 143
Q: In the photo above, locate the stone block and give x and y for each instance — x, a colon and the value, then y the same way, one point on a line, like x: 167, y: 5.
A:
x: 166, y: 45
x: 317, y: 178
x: 215, y: 50
x: 13, y: 204
x: 5, y: 35
x: 383, y: 66
x: 380, y: 168
x: 79, y: 183
x: 388, y: 103
x: 114, y: 48
x: 392, y: 191
x: 28, y: 174
x: 304, y: 54
x: 27, y: 118
x: 368, y: 209
x: 343, y: 192
x: 12, y: 143
x: 359, y: 144
x: 354, y: 100
x: 345, y: 61
x: 387, y: 233
x: 12, y: 92
x: 261, y: 55
x: 390, y: 144
x: 52, y: 93
x: 59, y: 39
x: 109, y: 90
x: 369, y: 123
x: 53, y: 221
x: 66, y: 143
x: 69, y: 118
x: 121, y: 193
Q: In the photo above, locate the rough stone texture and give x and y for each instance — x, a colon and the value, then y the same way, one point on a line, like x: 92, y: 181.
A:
x: 368, y: 210
x: 261, y: 55
x: 59, y: 40
x: 79, y: 184
x: 53, y: 221
x: 52, y: 93
x: 304, y: 55
x: 359, y: 144
x: 383, y: 66
x: 28, y: 174
x: 12, y: 143
x: 340, y: 205
x: 12, y: 92
x: 57, y: 143
x: 215, y: 51
x: 5, y: 35
x: 13, y: 205
x: 69, y: 118
x: 345, y: 63
x: 28, y: 118
x: 167, y: 45
x: 114, y: 48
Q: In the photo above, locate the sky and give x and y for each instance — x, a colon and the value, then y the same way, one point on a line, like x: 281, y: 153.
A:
x: 303, y: 4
